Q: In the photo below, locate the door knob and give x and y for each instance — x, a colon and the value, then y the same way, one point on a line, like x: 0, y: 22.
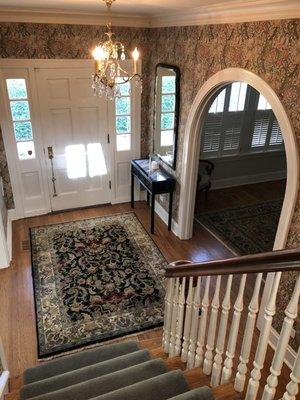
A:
x: 50, y: 152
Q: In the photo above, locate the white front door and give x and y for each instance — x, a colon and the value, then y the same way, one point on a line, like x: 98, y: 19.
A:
x: 49, y: 109
x: 74, y: 127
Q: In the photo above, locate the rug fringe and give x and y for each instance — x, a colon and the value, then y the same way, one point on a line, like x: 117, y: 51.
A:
x: 100, y: 344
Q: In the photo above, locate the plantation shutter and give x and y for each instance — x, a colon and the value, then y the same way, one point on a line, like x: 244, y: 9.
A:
x: 260, y: 130
x: 276, y: 134
x: 232, y: 132
x: 212, y: 130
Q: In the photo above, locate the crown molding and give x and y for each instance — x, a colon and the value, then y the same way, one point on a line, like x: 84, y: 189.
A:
x: 231, y: 12
x: 70, y: 17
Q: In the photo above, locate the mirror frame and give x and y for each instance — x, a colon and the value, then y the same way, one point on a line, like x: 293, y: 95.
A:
x: 176, y: 112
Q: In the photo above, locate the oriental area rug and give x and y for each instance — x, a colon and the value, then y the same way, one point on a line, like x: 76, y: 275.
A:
x: 94, y: 280
x: 246, y: 230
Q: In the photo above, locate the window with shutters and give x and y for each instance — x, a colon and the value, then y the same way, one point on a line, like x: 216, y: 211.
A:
x: 240, y: 121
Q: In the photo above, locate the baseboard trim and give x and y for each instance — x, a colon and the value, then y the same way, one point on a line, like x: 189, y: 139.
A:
x: 9, y: 235
x: 162, y: 213
x: 290, y: 355
x: 247, y: 180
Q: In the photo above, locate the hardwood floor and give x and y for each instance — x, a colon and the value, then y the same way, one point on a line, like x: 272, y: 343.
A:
x: 17, y: 317
x: 240, y: 196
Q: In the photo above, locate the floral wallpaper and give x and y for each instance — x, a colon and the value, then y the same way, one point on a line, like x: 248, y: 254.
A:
x: 21, y: 40
x: 267, y: 48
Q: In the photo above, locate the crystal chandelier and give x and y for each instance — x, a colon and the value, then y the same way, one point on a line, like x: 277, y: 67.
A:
x: 109, y: 74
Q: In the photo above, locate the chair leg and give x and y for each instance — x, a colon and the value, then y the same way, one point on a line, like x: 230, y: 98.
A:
x: 206, y: 191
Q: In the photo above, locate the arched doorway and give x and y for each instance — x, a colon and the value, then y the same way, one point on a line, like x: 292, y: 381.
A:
x: 192, y: 141
x: 191, y: 151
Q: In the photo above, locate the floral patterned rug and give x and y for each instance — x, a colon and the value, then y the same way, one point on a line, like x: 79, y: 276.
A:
x: 246, y: 230
x: 95, y: 280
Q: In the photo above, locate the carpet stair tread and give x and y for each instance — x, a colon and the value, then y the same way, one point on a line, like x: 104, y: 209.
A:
x: 79, y: 375
x: 121, y: 371
x: 78, y: 360
x: 107, y: 383
x: 203, y: 393
x: 161, y: 387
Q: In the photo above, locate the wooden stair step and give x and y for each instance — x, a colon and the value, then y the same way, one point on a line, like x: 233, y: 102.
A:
x: 149, y: 344
x: 196, y: 378
x: 173, y: 363
x: 158, y: 352
x: 227, y: 392
x: 14, y: 395
x: 15, y: 382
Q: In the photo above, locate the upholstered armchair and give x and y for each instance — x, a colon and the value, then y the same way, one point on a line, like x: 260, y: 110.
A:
x: 205, y: 171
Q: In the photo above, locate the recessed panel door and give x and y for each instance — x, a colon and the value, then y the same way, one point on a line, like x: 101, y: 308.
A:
x: 74, y: 129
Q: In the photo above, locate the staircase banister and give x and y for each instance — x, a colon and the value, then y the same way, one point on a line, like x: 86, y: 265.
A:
x: 273, y: 261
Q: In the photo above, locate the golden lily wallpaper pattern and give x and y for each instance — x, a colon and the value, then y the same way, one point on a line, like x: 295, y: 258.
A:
x: 267, y: 48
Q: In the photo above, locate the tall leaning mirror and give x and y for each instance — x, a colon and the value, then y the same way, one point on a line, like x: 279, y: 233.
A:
x: 166, y: 113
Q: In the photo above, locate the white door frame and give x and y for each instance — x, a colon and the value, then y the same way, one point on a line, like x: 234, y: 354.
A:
x: 31, y: 65
x: 191, y: 153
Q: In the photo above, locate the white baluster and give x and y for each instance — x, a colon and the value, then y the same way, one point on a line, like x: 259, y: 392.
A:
x: 217, y: 366
x: 253, y: 308
x: 174, y: 319
x: 282, y: 344
x: 202, y: 325
x: 292, y: 386
x: 181, y: 304
x: 262, y: 345
x: 234, y: 330
x: 168, y: 314
x: 194, y: 326
x: 211, y: 335
x: 187, y: 322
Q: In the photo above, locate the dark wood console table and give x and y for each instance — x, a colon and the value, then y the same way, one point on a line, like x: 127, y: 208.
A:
x: 155, y: 182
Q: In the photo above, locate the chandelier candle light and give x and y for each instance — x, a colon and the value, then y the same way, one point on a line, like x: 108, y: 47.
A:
x: 109, y: 74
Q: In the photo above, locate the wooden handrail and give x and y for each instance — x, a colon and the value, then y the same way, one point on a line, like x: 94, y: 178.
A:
x: 273, y: 261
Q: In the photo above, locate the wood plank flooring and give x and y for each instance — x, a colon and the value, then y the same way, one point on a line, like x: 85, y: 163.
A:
x: 17, y: 317
x: 240, y: 196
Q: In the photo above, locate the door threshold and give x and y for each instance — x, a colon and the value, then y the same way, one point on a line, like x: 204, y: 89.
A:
x: 77, y: 208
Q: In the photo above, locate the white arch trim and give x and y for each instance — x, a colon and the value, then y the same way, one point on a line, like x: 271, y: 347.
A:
x: 191, y: 151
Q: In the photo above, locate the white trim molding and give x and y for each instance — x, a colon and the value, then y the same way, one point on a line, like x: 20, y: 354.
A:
x: 74, y: 17
x: 231, y: 11
x: 163, y: 215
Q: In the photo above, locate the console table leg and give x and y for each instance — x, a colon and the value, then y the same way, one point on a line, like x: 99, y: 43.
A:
x: 148, y: 198
x: 132, y: 191
x: 152, y: 212
x: 170, y: 211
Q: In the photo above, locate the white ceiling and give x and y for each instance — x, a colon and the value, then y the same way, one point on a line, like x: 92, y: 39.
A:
x: 136, y: 7
x: 153, y: 13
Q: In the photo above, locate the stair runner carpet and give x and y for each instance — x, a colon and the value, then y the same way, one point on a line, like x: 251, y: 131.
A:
x: 114, y: 372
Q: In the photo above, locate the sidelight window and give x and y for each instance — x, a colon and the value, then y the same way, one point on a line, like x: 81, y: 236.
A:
x: 21, y: 118
x: 123, y: 118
